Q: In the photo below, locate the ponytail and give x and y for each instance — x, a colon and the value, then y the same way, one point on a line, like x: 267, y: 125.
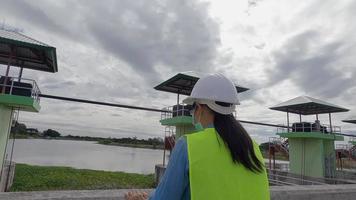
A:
x: 238, y: 141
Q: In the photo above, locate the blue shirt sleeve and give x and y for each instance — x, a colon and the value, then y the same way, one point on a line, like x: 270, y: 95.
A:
x: 175, y: 181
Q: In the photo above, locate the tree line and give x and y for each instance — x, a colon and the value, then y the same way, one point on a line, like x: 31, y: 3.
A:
x: 20, y: 130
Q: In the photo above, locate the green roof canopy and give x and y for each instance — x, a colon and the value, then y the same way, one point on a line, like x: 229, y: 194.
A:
x: 26, y: 52
x: 183, y: 83
x: 305, y: 105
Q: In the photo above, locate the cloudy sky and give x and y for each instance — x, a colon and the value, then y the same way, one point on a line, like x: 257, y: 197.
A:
x: 118, y: 50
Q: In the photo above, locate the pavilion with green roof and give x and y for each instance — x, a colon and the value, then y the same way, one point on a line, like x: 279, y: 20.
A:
x: 311, y: 145
x: 18, y: 93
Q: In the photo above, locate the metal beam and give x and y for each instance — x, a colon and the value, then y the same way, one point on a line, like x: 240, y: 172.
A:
x: 101, y: 103
x: 263, y: 124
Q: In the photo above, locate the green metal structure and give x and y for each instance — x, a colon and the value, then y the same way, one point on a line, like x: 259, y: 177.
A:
x: 17, y: 93
x: 311, y: 145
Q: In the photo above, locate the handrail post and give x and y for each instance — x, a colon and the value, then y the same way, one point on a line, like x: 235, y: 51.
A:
x: 12, y: 85
x: 331, y: 128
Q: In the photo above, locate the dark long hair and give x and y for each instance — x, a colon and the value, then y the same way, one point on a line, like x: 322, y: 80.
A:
x: 237, y: 140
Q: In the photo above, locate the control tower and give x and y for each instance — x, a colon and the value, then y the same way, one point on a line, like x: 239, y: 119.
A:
x: 311, y: 144
x: 18, y: 93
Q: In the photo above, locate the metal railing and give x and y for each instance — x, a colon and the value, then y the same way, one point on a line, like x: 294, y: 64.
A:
x: 175, y: 111
x: 343, y: 146
x: 352, y: 139
x: 20, y: 86
x: 310, y: 127
x: 280, y: 142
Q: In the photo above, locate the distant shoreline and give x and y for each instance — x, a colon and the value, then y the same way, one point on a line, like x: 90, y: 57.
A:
x: 143, y: 146
x: 98, y: 141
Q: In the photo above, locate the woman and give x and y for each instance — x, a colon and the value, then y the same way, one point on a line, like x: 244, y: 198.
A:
x: 220, y: 161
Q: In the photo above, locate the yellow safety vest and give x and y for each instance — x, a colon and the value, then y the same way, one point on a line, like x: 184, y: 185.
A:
x: 214, y: 175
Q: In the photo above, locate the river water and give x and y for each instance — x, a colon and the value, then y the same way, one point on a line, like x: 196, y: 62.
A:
x: 86, y: 155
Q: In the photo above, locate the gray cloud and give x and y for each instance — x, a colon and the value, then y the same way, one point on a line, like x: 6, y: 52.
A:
x: 37, y: 15
x: 176, y: 34
x: 313, y: 64
x: 179, y: 35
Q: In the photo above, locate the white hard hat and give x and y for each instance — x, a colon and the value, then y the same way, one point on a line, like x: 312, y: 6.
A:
x: 214, y: 88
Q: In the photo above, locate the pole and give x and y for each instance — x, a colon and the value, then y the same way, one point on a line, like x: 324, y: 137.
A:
x: 300, y: 118
x: 331, y: 128
x: 164, y: 150
x: 288, y: 121
x: 178, y: 105
x: 8, y: 69
x: 269, y: 155
x: 20, y: 75
x: 2, y: 168
x: 12, y: 147
x: 102, y: 103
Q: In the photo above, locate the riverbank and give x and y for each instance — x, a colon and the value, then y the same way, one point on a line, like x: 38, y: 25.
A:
x: 144, y: 146
x: 98, y: 141
x: 44, y: 178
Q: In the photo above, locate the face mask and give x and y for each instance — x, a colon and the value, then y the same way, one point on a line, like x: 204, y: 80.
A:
x: 197, y: 125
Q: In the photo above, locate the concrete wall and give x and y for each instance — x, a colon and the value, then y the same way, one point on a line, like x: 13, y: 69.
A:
x: 314, y: 192
x: 8, y: 176
x: 5, y: 123
x: 329, y: 158
x: 306, y: 156
x: 159, y: 172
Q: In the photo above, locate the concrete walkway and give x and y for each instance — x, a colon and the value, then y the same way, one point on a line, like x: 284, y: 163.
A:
x: 311, y: 192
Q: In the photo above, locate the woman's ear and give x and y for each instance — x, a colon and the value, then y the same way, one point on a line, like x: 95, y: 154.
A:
x: 198, y: 110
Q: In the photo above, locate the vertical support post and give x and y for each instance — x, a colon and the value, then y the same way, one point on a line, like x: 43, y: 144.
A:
x: 16, y: 118
x: 7, y: 69
x: 20, y: 75
x: 300, y: 118
x: 269, y: 155
x: 12, y: 85
x: 7, y: 134
x: 164, y: 154
x: 164, y: 148
x: 178, y: 104
x: 331, y: 127
x: 317, y: 125
x: 274, y: 159
x: 288, y: 122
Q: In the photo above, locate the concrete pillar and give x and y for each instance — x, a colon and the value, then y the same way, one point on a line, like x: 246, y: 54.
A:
x: 159, y: 172
x: 5, y: 125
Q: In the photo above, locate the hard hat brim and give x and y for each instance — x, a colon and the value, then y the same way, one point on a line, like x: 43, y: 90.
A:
x: 189, y: 100
x: 212, y: 105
